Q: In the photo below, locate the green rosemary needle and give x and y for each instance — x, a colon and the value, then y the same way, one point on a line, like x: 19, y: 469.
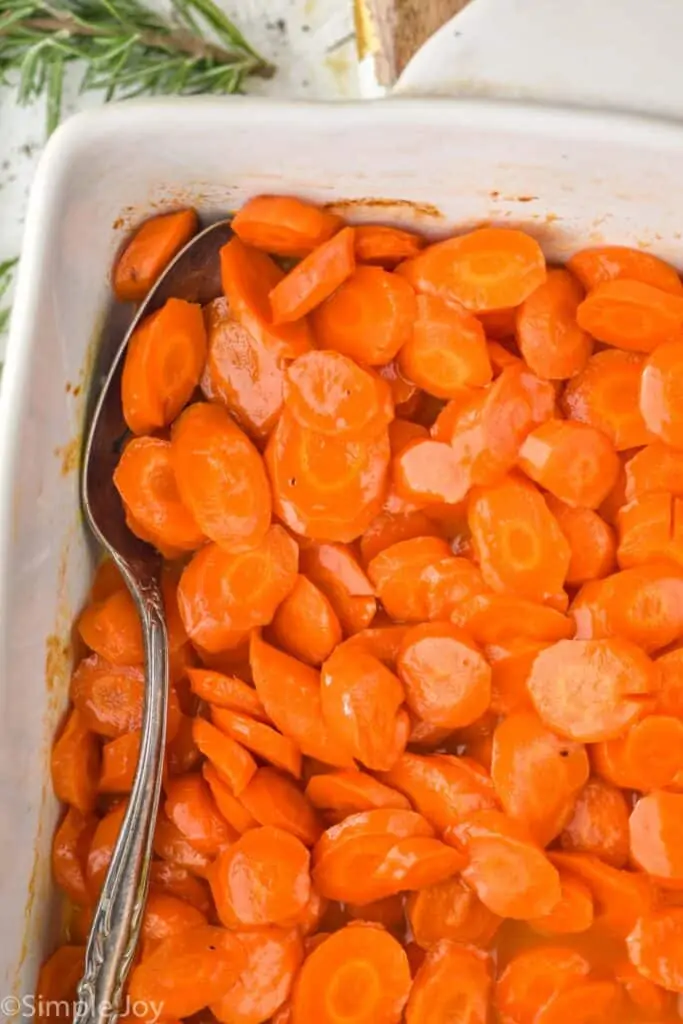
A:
x: 6, y: 271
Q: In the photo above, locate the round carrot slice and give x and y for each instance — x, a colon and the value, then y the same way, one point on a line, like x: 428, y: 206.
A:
x: 262, y: 879
x: 324, y: 487
x: 385, y: 246
x: 447, y: 350
x: 533, y: 977
x: 605, y: 395
x: 511, y: 665
x: 591, y: 1003
x: 401, y: 576
x: 232, y: 809
x: 335, y: 570
x: 591, y: 541
x: 499, y: 324
x: 615, y: 262
x: 655, y: 948
x: 273, y: 958
x: 499, y: 356
x: 450, y: 910
x: 428, y: 471
x: 551, y: 341
x: 108, y: 697
x: 390, y: 528
x: 273, y: 799
x: 447, y: 679
x: 221, y: 594
x: 314, y: 279
x: 574, y: 461
x: 661, y: 384
x: 501, y: 618
x: 57, y: 983
x: 148, y: 253
x: 101, y: 850
x: 656, y: 828
x: 649, y: 755
x: 162, y: 367
x: 619, y: 897
x: 167, y: 915
x: 591, y: 690
x: 643, y: 994
x: 221, y: 477
x: 573, y: 914
x: 226, y: 692
x: 537, y: 775
x: 191, y: 808
x: 453, y: 983
x: 262, y: 740
x: 486, y: 269
x: 233, y: 763
x: 653, y: 469
x: 445, y: 789
x: 518, y: 542
x: 369, y: 318
x: 284, y: 225
x: 306, y: 625
x: 359, y: 974
x: 178, y: 881
x: 70, y: 848
x: 631, y: 315
x: 119, y: 761
x: 111, y: 628
x: 330, y: 393
x: 599, y: 824
x: 350, y: 792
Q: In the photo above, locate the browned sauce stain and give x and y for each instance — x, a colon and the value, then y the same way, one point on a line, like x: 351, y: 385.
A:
x: 57, y: 661
x: 70, y: 455
x: 373, y: 202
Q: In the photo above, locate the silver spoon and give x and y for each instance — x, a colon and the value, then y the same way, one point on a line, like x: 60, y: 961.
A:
x: 193, y: 275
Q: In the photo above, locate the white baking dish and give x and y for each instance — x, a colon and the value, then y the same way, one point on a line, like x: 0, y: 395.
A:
x: 572, y: 178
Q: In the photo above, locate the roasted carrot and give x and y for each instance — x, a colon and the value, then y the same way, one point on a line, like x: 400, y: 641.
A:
x: 660, y: 384
x: 274, y: 799
x: 550, y: 340
x: 149, y: 251
x: 233, y: 763
x: 631, y: 315
x: 657, y: 835
x: 191, y: 808
x: 75, y: 764
x: 615, y: 262
x: 273, y: 958
x: 260, y: 739
x: 450, y: 910
x: 534, y: 976
x: 284, y: 225
x: 606, y: 395
x: 591, y: 541
x: 70, y: 848
x: 446, y: 790
x: 452, y: 980
x: 335, y: 570
x: 574, y: 461
x: 447, y: 350
x: 314, y: 279
x: 599, y: 824
x: 654, y: 947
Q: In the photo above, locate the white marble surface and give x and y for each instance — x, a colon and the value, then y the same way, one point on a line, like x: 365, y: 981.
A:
x: 310, y: 41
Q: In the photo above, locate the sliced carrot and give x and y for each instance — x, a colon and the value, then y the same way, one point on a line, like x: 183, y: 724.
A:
x: 229, y: 758
x: 385, y: 246
x: 446, y: 790
x: 591, y: 541
x: 450, y: 910
x: 188, y: 971
x: 615, y: 262
x: 429, y: 471
x: 383, y: 641
x: 591, y: 690
x: 401, y: 576
x: 511, y: 665
x: 620, y: 897
x: 660, y: 385
x: 655, y: 948
x: 335, y: 570
x: 162, y: 366
x: 261, y: 879
x: 573, y: 914
x: 357, y: 974
x: 388, y: 528
x: 107, y: 580
x: 284, y: 225
x: 501, y: 618
x: 178, y: 881
x: 403, y: 432
x: 119, y: 761
x: 574, y: 461
x: 149, y: 252
x: 605, y: 395
x: 242, y: 371
x: 417, y: 862
x: 536, y: 774
x: 273, y: 799
x: 70, y: 848
x: 226, y: 692
x: 314, y: 279
x: 656, y: 829
x: 108, y: 697
x: 111, y: 628
x: 306, y: 625
x: 56, y: 992
x: 221, y: 477
x: 649, y: 755
x: 533, y: 977
x: 362, y: 706
x: 75, y: 764
x: 631, y: 315
x: 191, y: 807
x: 599, y: 824
x: 248, y: 276
x: 452, y: 983
x: 551, y: 341
x: 259, y: 738
x: 290, y: 693
x: 101, y: 850
x: 500, y: 357
x: 182, y: 753
x: 590, y: 1003
x: 387, y: 912
x: 486, y: 269
x: 670, y: 693
x: 643, y: 994
x: 350, y: 792
x: 330, y: 393
x: 232, y: 809
x: 369, y: 318
x: 447, y: 350
x: 518, y: 542
x: 406, y: 395
x: 273, y: 957
x: 221, y: 595
x: 172, y: 846
x: 509, y: 873
x: 446, y: 678
x: 166, y: 915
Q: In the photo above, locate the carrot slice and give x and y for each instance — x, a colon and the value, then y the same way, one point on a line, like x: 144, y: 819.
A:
x: 429, y: 471
x: 511, y: 665
x: 591, y: 690
x: 656, y: 829
x: 385, y: 246
x: 653, y: 469
x: 387, y: 912
x: 242, y: 371
x: 261, y: 739
x: 501, y: 618
x: 486, y: 269
x: 314, y: 279
x: 107, y: 580
x: 111, y: 628
x: 262, y: 879
x: 605, y: 395
x: 447, y: 679
x: 631, y: 315
x: 57, y: 984
x: 149, y: 252
x: 643, y: 994
x: 119, y: 761
x: 101, y: 849
x: 551, y: 341
x: 445, y: 789
x: 326, y: 488
x: 369, y: 318
x: 306, y: 625
x: 406, y: 395
x: 178, y: 881
x: 453, y: 983
x: 536, y: 774
x: 109, y: 697
x: 599, y: 824
x: 273, y: 799
x: 335, y: 570
x: 290, y: 693
x: 273, y: 957
x: 655, y: 947
x: 500, y: 357
x: 229, y: 758
x: 401, y: 575
x: 221, y: 595
x: 574, y: 461
x: 248, y: 276
x: 509, y: 873
x: 191, y: 808
x: 533, y: 977
x: 70, y: 848
x: 350, y: 792
x: 75, y: 764
x: 591, y: 541
x: 330, y: 393
x: 591, y: 1003
x: 447, y: 350
x: 648, y: 756
x: 620, y: 897
x: 573, y: 914
x: 518, y: 542
x: 615, y: 262
x: 226, y: 692
x: 357, y: 974
x: 450, y: 910
x: 660, y: 384
x: 167, y: 915
x: 284, y: 225
x: 221, y: 477
x: 232, y: 809
x: 670, y: 693
x: 390, y: 528
x: 162, y: 367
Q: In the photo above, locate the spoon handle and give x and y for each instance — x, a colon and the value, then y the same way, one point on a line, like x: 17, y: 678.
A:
x: 118, y: 917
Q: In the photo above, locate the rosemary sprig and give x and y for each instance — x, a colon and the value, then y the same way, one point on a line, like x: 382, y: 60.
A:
x: 126, y: 49
x: 6, y: 272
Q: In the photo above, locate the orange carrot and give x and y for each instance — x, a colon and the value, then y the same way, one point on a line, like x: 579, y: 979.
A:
x: 284, y: 225
x: 262, y: 740
x: 614, y: 262
x: 631, y: 315
x: 551, y: 341
x: 574, y: 461
x: 452, y: 980
x: 447, y: 350
x: 599, y: 824
x: 605, y: 395
x: 149, y: 252
x: 660, y: 384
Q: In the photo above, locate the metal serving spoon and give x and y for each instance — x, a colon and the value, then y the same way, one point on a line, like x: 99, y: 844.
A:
x: 193, y: 275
